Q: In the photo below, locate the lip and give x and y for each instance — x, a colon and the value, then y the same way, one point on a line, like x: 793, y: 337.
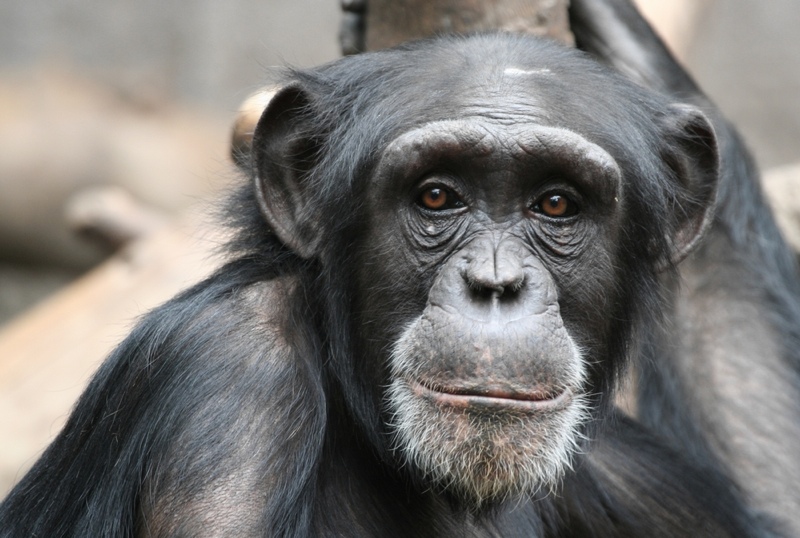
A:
x: 492, y: 399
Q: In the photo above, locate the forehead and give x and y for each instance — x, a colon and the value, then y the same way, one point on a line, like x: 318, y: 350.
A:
x: 506, y: 86
x: 496, y: 90
x: 517, y: 92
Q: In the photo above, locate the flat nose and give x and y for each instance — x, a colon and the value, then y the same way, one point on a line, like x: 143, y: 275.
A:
x: 497, y: 283
x: 494, y: 272
x: 494, y: 283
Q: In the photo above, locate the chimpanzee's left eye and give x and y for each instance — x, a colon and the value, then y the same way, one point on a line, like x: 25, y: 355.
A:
x: 555, y: 205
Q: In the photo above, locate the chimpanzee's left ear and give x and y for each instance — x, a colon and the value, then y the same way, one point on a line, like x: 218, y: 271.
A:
x: 284, y: 147
x: 694, y: 157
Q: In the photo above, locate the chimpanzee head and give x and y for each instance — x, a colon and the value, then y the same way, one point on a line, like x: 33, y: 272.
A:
x: 489, y: 216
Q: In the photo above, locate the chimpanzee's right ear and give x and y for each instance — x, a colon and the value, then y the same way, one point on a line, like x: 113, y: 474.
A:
x: 283, y: 149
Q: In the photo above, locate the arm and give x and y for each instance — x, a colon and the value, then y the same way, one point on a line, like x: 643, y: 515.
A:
x: 177, y: 431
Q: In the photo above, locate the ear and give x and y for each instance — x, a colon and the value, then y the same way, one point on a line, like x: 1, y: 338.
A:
x: 695, y: 159
x: 282, y: 154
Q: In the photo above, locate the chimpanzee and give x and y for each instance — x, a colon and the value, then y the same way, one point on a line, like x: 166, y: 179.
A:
x: 451, y: 250
x: 721, y: 376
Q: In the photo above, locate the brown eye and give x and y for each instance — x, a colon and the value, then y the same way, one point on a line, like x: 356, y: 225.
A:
x: 556, y: 206
x: 437, y: 199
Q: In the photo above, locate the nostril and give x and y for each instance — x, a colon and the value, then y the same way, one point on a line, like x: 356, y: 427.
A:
x: 493, y: 288
x: 481, y: 292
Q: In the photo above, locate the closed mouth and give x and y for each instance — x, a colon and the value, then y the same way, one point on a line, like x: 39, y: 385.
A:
x: 492, y: 398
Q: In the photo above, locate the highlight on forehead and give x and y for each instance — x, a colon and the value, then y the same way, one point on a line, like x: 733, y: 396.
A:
x: 519, y: 72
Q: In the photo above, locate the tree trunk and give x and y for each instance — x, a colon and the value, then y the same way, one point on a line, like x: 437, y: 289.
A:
x: 390, y: 22
x: 378, y: 24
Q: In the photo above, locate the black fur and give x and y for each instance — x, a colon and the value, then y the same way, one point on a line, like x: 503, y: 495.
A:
x: 247, y: 405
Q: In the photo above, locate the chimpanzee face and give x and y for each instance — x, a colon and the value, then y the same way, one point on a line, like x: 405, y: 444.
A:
x: 489, y: 219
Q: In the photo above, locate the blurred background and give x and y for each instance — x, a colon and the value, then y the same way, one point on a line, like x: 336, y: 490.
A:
x: 137, y: 95
x: 115, y: 120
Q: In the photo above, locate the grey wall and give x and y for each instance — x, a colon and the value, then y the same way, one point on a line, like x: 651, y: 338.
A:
x: 748, y: 59
x: 211, y: 51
